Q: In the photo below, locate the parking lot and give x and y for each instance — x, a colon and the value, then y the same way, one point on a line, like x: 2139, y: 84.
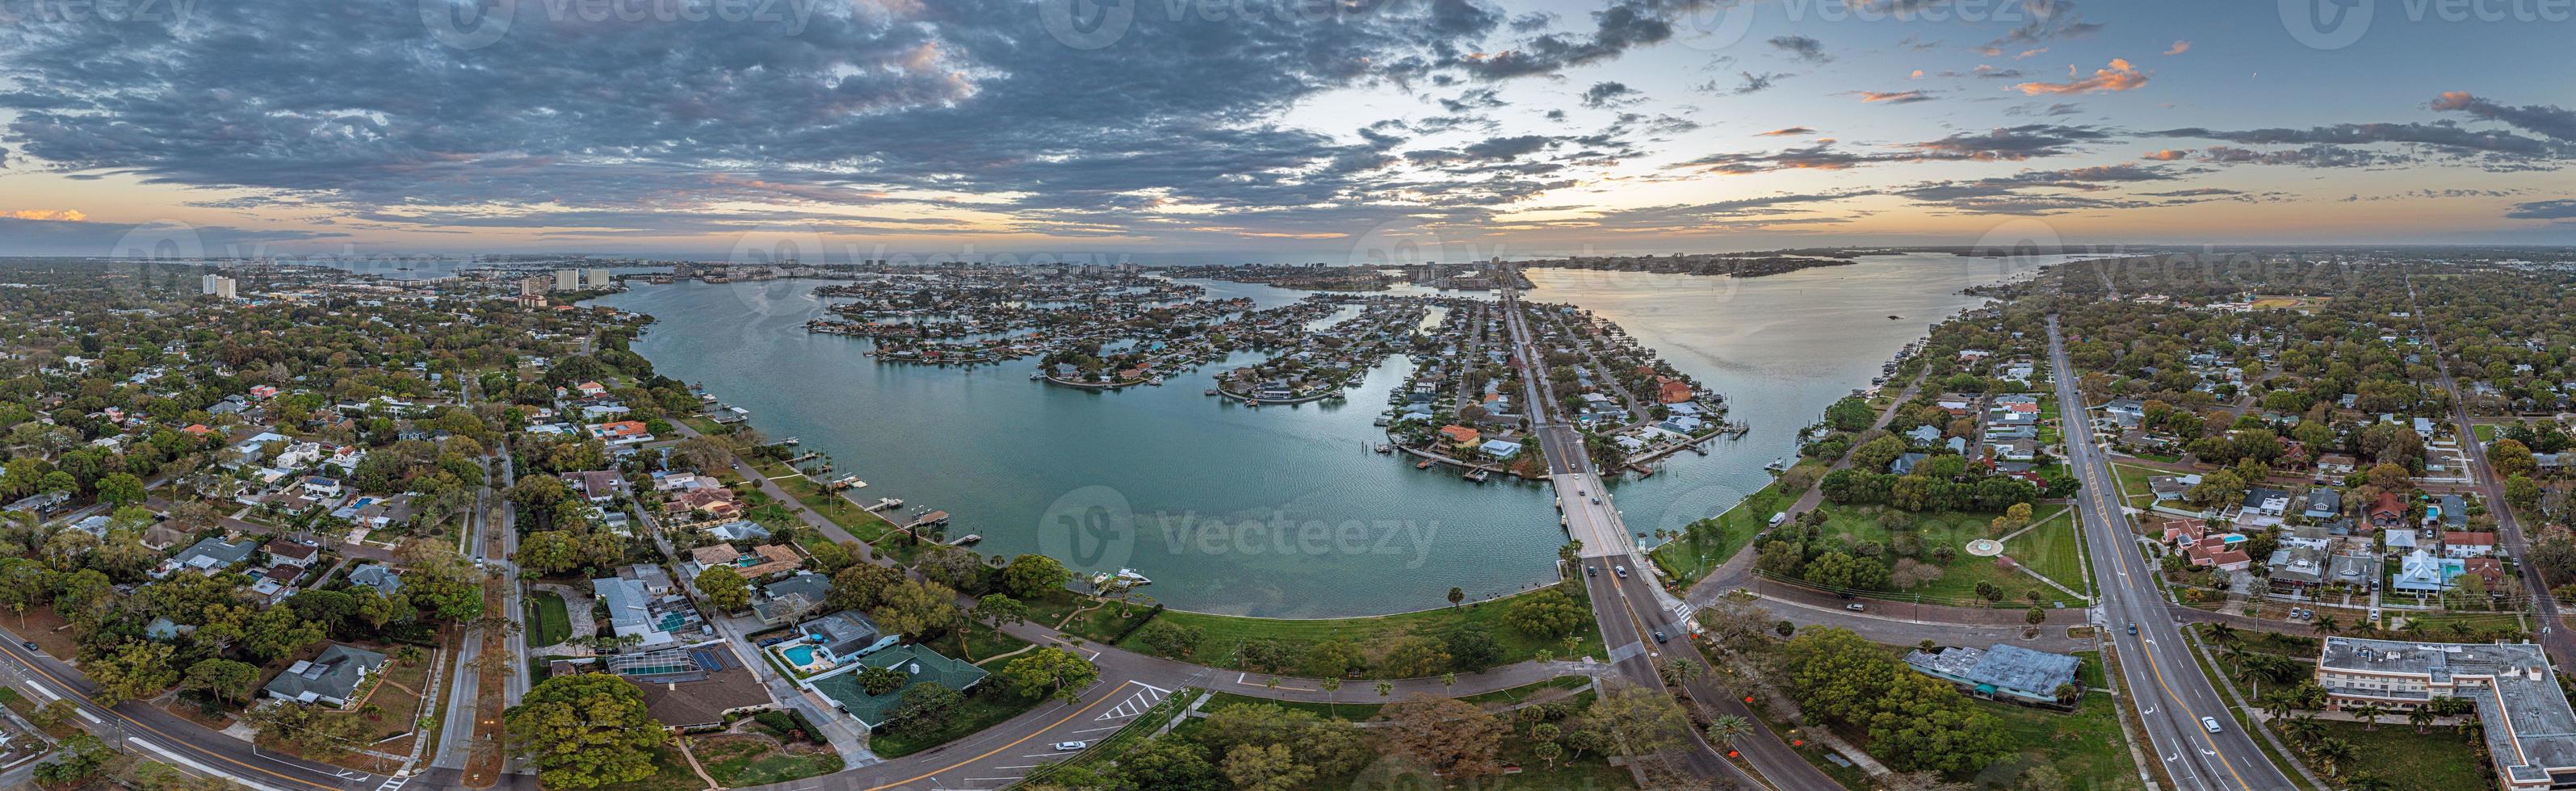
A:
x: 1001, y: 756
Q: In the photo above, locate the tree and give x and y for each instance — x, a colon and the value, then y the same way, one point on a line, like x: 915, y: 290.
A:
x: 881, y: 680
x: 1547, y: 612
x: 551, y: 551
x: 1266, y: 768
x: 1050, y: 671
x: 120, y: 489
x: 1333, y: 659
x: 1414, y: 656
x: 724, y: 587
x: 80, y: 758
x: 278, y: 631
x: 1457, y: 595
x: 926, y: 706
x: 1631, y: 721
x: 862, y: 586
x: 54, y: 712
x: 585, y: 731
x: 1450, y: 738
x: 914, y: 608
x: 1168, y: 638
x: 133, y: 671
x: 321, y: 733
x: 1031, y: 576
x: 224, y: 679
x: 1472, y: 648
x: 1727, y: 728
x: 997, y: 610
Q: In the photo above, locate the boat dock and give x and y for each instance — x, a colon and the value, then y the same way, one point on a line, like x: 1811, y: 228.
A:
x: 851, y: 482
x: 885, y: 503
x: 964, y: 540
x: 928, y: 519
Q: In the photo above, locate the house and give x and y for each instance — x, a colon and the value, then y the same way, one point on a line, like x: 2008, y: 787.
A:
x: 1923, y: 436
x: 1460, y: 436
x: 2218, y: 554
x: 739, y: 531
x: 1904, y: 465
x: 2399, y: 542
x: 2335, y: 464
x: 2183, y: 532
x: 1672, y: 391
x: 591, y: 389
x: 2489, y: 569
x: 598, y: 486
x: 919, y: 662
x: 2323, y: 503
x: 2420, y: 572
x: 2388, y: 511
x: 2297, y: 567
x: 2468, y: 544
x: 2125, y: 411
x: 2002, y: 672
x: 291, y: 553
x: 2451, y: 510
x: 847, y: 634
x: 791, y: 598
x: 331, y: 677
x: 2267, y: 501
x: 2172, y: 487
x: 704, y: 703
x: 378, y: 576
x: 630, y: 611
x: 321, y: 487
x: 623, y: 432
x: 2516, y: 695
x: 207, y: 557
x: 1499, y: 449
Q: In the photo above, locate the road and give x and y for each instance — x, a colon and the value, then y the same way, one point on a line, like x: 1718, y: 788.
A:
x: 1630, y: 609
x: 2557, y: 641
x: 2166, y: 686
x: 165, y: 737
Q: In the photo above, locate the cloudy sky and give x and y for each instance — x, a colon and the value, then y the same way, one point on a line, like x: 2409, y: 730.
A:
x: 1275, y: 129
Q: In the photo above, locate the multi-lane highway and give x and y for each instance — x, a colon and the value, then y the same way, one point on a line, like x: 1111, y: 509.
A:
x: 1629, y: 607
x: 2165, y: 683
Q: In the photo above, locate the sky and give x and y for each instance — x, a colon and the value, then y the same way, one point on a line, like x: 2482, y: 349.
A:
x: 1363, y: 131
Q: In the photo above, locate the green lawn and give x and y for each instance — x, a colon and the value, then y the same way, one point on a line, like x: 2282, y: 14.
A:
x: 2084, y: 746
x: 740, y: 761
x: 2053, y: 548
x: 1108, y: 619
x: 2486, y: 431
x: 2133, y: 483
x: 987, y: 705
x: 1221, y: 635
x: 1959, y: 578
x: 670, y: 773
x: 1357, y: 712
x: 2437, y: 761
x: 548, y: 623
x: 1694, y: 555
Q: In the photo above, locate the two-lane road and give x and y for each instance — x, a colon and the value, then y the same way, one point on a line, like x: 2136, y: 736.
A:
x: 2171, y: 694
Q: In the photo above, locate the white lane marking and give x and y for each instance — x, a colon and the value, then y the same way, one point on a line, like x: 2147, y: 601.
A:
x: 184, y: 761
x: 1101, y: 728
x: 41, y: 690
x: 93, y: 718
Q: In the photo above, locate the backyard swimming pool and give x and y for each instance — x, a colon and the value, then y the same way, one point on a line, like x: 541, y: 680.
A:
x: 801, y: 655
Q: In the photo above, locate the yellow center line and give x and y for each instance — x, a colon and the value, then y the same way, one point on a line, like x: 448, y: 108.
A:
x: 75, y: 692
x: 1112, y: 695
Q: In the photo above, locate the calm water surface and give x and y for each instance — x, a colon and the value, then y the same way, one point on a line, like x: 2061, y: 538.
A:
x: 1284, y: 511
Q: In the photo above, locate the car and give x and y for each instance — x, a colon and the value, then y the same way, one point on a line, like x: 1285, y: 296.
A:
x: 2374, y: 613
x: 2133, y: 627
x: 1621, y: 570
x: 1070, y: 746
x: 2209, y: 724
x: 1659, y: 635
x: 1596, y: 501
x: 1592, y: 571
x: 31, y: 646
x: 1855, y: 607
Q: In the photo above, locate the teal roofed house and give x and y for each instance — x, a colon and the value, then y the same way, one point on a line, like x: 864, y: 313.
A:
x: 917, y: 661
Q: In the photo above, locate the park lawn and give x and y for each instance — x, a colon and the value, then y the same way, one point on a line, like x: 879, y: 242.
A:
x: 1220, y: 635
x: 2486, y: 431
x: 738, y: 761
x: 2053, y: 548
x: 670, y: 773
x: 976, y: 642
x: 986, y: 705
x: 1959, y: 579
x: 1695, y: 555
x: 548, y: 622
x: 2085, y: 743
x: 1109, y: 619
x: 2437, y: 761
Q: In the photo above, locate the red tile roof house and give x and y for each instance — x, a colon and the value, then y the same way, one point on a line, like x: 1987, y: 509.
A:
x: 1673, y: 391
x: 2184, y: 532
x: 2214, y: 554
x: 2388, y: 511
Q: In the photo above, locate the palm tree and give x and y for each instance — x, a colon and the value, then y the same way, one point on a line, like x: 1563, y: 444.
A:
x: 2222, y: 632
x: 2328, y: 625
x: 2275, y: 705
x: 1385, y: 688
x: 2067, y: 694
x: 1331, y: 686
x: 2419, y: 717
x: 2333, y: 752
x: 2369, y: 714
x: 2304, y: 729
x: 2458, y: 628
x: 1728, y: 727
x: 2365, y: 781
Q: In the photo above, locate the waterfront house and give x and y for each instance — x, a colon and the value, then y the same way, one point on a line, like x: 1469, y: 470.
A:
x: 1460, y: 436
x: 739, y: 531
x: 1672, y: 391
x: 1500, y: 449
x: 330, y: 678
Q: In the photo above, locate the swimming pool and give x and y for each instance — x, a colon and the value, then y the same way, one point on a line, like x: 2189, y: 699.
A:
x: 801, y: 655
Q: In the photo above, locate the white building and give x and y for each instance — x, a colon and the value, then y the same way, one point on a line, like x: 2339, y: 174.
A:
x: 596, y: 278
x: 567, y: 280
x: 214, y: 285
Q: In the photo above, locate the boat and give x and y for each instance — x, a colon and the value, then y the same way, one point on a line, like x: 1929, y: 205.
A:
x: 1425, y: 465
x: 1156, y: 381
x: 1893, y: 317
x: 1211, y: 391
x: 1385, y: 448
x: 1475, y: 475
x: 1778, y: 465
x: 1382, y: 422
x: 1036, y: 375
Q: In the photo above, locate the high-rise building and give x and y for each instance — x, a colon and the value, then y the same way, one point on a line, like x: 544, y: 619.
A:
x: 596, y: 278
x: 567, y: 280
x: 214, y: 285
x: 535, y: 286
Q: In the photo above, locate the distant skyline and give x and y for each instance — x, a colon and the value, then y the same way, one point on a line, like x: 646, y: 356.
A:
x: 1280, y: 130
